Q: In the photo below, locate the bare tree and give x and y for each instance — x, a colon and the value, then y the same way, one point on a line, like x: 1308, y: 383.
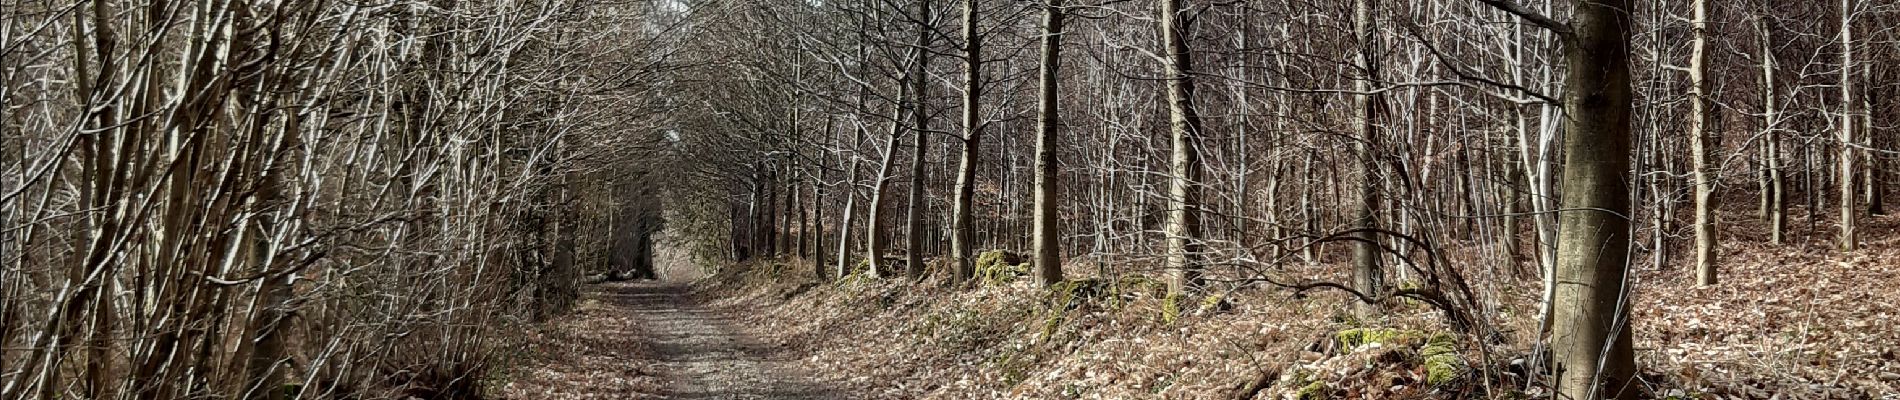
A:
x: 1700, y: 114
x: 1184, y: 197
x: 1047, y: 237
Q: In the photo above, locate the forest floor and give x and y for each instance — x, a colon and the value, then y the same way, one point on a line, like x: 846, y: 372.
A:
x: 1794, y: 321
x: 653, y: 340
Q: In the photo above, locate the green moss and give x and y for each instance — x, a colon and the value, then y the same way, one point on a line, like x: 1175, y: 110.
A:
x: 1410, y: 284
x: 1049, y: 325
x: 1353, y: 338
x: 1171, y: 308
x: 1438, y: 352
x: 1440, y: 357
x: 1314, y: 391
x: 1000, y: 267
x: 1215, y: 302
x: 1140, y: 284
x: 859, y: 275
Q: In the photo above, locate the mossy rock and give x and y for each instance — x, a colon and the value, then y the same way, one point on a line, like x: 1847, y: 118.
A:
x: 1175, y: 305
x: 1440, y: 357
x: 1074, y: 294
x: 992, y: 258
x: 1353, y: 338
x: 1436, y: 352
x: 1000, y: 267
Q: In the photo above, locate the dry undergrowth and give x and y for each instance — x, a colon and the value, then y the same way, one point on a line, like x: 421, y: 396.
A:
x: 598, y: 351
x: 1796, y: 321
x: 899, y: 340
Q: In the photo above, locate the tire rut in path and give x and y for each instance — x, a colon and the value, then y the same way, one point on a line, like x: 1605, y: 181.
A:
x: 701, y: 352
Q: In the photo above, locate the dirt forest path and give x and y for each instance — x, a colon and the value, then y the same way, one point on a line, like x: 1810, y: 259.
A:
x: 693, y: 351
x: 703, y: 354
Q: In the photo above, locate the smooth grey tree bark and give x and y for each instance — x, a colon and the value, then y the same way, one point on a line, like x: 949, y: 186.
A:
x: 1047, y: 236
x: 1774, y: 203
x: 1849, y: 238
x: 1590, y: 338
x: 962, y: 230
x: 1183, y: 228
x: 1700, y: 114
x: 1367, y: 276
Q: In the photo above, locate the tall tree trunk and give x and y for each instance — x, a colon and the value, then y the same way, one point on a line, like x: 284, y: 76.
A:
x: 1366, y: 275
x: 1535, y: 153
x: 804, y: 216
x: 1184, y: 198
x: 1870, y: 139
x: 962, y: 230
x: 1513, y: 201
x: 914, y: 218
x: 1309, y: 214
x: 817, y: 234
x: 850, y: 204
x: 876, y: 242
x: 1047, y: 236
x: 1776, y: 204
x: 1849, y: 240
x: 1591, y: 336
x: 1700, y: 114
x: 765, y: 211
x: 787, y: 207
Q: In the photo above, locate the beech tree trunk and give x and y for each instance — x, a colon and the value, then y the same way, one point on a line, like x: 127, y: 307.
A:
x: 1183, y: 228
x: 850, y: 204
x: 876, y: 242
x: 1047, y: 238
x: 1870, y: 173
x: 1367, y: 275
x: 1776, y: 203
x: 1849, y: 239
x: 1590, y: 339
x: 1700, y: 114
x: 914, y: 218
x: 817, y: 235
x: 962, y: 231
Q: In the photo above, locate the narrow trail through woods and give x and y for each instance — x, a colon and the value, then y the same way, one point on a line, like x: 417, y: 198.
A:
x: 695, y: 348
x: 701, y: 352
